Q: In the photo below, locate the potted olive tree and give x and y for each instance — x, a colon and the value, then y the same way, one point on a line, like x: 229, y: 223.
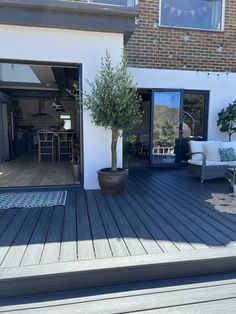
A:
x: 227, y: 119
x: 114, y: 104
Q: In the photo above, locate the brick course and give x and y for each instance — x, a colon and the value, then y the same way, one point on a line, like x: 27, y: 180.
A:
x: 152, y: 46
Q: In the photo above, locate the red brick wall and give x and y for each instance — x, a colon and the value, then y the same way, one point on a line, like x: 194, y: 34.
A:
x: 166, y: 48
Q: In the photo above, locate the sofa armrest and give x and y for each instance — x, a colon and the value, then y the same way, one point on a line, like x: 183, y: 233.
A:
x: 203, y: 157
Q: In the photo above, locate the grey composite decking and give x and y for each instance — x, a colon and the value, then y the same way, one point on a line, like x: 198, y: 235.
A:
x: 203, y: 294
x: 163, y: 217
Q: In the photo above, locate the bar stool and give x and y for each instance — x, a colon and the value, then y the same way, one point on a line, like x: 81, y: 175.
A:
x: 45, y: 145
x: 65, y: 145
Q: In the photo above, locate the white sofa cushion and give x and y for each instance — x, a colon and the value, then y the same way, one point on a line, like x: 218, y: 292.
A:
x: 211, y: 150
x: 197, y: 147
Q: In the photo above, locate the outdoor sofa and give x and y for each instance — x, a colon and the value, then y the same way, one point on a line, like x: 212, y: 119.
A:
x: 205, y: 159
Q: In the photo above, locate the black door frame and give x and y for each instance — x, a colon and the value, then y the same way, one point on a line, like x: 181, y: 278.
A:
x: 177, y: 162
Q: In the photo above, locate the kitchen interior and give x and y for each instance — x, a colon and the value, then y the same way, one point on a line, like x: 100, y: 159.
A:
x: 39, y: 125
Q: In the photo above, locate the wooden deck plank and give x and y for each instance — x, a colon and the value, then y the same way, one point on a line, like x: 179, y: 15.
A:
x: 222, y: 233
x: 35, y: 247
x: 188, y: 210
x: 217, y: 296
x: 84, y: 236
x: 152, y: 225
x: 11, y: 231
x: 175, y: 236
x: 52, y: 245
x: 16, y: 252
x: 2, y: 213
x: 227, y: 220
x: 145, y: 237
x: 7, y: 218
x: 189, y: 224
x: 100, y: 241
x: 117, y: 243
x: 133, y: 243
x: 69, y: 236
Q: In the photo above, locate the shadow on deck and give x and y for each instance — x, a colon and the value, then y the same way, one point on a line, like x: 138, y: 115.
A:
x: 161, y: 227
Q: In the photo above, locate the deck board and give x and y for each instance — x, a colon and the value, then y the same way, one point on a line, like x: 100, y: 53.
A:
x: 162, y: 211
x: 208, y: 218
x: 84, y: 236
x: 51, y: 251
x: 69, y: 243
x: 176, y: 208
x: 134, y: 245
x: 35, y: 247
x: 117, y: 243
x: 18, y: 247
x: 11, y: 231
x: 201, y: 203
x: 101, y: 243
x: 189, y: 210
x: 203, y: 294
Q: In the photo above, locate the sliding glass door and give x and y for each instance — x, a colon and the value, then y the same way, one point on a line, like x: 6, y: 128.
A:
x: 177, y: 117
x: 194, y: 119
x: 165, y: 127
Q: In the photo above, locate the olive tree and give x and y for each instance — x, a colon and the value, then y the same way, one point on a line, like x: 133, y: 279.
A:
x: 227, y: 118
x: 113, y: 101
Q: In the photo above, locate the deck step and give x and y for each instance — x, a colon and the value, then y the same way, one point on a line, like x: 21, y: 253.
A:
x: 208, y: 294
x: 94, y: 273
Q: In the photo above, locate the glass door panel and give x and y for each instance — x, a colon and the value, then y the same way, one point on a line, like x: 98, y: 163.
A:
x: 194, y: 119
x: 165, y: 127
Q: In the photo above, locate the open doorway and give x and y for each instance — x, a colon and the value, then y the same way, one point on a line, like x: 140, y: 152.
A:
x: 40, y: 129
x: 137, y: 146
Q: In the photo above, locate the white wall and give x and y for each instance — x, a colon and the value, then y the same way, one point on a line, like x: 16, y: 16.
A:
x: 222, y: 89
x: 57, y: 45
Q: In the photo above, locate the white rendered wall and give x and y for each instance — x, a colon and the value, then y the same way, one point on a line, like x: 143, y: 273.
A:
x: 222, y: 89
x: 57, y: 45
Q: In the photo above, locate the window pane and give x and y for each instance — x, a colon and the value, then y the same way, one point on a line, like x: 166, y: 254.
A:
x: 64, y: 116
x: 202, y: 14
x: 67, y: 125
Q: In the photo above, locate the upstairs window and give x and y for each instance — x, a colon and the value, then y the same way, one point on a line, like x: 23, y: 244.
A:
x: 196, y: 14
x: 125, y: 3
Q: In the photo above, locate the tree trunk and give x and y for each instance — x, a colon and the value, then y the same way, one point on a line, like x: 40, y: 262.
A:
x: 230, y: 137
x: 113, y: 149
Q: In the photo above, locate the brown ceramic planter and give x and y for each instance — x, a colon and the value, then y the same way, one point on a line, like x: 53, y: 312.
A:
x: 112, y: 183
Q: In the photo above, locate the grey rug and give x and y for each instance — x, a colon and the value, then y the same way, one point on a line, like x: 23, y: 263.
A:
x: 225, y: 203
x: 32, y: 199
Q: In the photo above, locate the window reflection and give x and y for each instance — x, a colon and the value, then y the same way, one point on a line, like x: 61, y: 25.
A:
x: 199, y: 14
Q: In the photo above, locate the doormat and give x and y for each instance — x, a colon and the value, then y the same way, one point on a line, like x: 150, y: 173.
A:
x: 32, y: 199
x: 225, y: 203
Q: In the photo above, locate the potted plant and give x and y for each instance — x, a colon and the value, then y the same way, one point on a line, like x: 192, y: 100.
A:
x: 227, y: 119
x: 76, y: 161
x: 114, y: 104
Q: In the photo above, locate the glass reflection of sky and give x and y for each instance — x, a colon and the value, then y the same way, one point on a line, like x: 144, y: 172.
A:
x: 168, y: 99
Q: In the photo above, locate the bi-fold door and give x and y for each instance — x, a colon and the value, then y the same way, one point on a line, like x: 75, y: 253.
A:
x: 177, y: 117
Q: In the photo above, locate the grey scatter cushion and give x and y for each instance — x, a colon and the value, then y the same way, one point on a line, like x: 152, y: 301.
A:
x: 227, y: 154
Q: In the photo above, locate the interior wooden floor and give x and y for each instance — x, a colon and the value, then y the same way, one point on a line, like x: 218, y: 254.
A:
x: 27, y: 171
